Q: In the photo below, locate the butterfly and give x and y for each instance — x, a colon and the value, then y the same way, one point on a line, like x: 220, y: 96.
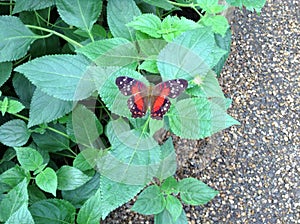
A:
x: 155, y: 98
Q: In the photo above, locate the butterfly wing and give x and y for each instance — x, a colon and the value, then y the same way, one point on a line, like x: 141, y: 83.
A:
x: 137, y: 103
x: 160, y: 93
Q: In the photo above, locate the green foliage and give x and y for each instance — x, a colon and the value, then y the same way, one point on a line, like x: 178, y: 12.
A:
x: 71, y: 151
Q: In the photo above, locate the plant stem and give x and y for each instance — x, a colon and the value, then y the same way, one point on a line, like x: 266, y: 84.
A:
x: 69, y: 40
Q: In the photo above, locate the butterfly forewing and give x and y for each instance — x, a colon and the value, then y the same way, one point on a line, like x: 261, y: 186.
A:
x: 171, y: 88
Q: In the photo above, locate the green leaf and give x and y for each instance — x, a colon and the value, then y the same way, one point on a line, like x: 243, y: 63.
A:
x: 117, y: 17
x: 86, y: 126
x: 170, y: 185
x: 160, y: 3
x: 5, y: 71
x: 224, y: 43
x: 22, y: 215
x: 15, y: 41
x: 70, y: 178
x: 35, y: 194
x: 249, y: 4
x: 47, y: 180
x: 12, y: 201
x: 8, y: 155
x: 174, y: 207
x: 97, y: 32
x: 155, y: 125
x: 166, y: 217
x: 149, y: 66
x: 29, y: 158
x: 86, y: 159
x: 13, y: 176
x: 52, y: 141
x: 211, y: 6
x: 110, y: 94
x: 114, y: 194
x: 192, y: 53
x: 147, y: 23
x: 52, y: 211
x: 134, y: 157
x: 150, y: 201
x: 203, y: 118
x: 82, y: 14
x: 168, y: 163
x: 14, y: 133
x: 81, y: 194
x: 23, y: 88
x: 45, y: 108
x: 111, y: 52
x: 14, y: 106
x: 195, y: 192
x: 30, y: 5
x: 218, y: 23
x: 172, y: 26
x: 62, y: 76
x: 4, y: 106
x: 90, y: 212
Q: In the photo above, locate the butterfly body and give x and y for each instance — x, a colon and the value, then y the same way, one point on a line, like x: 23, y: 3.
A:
x: 154, y: 98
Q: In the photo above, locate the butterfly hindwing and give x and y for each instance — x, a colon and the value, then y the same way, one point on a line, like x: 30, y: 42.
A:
x: 159, y: 107
x: 137, y: 106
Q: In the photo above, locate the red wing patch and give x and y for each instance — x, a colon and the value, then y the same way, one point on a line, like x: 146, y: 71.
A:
x: 160, y: 106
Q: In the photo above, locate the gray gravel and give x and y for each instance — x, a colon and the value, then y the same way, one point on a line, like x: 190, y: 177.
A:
x: 255, y: 166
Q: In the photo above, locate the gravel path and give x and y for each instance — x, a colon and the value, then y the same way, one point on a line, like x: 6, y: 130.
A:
x: 257, y: 169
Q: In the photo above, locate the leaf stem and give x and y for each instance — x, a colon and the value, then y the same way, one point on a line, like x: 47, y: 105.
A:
x: 69, y: 40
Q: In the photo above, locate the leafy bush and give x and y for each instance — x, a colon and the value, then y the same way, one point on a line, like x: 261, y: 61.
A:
x: 70, y: 147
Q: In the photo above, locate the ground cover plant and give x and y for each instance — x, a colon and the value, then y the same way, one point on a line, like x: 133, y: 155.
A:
x: 79, y: 106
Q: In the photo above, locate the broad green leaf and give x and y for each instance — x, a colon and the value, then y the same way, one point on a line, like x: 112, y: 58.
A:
x: 168, y: 163
x: 211, y: 6
x: 12, y: 201
x: 172, y: 26
x: 29, y: 158
x: 90, y: 212
x: 14, y: 133
x: 70, y: 178
x: 30, y: 5
x: 149, y: 66
x: 52, y: 211
x: 97, y: 32
x: 170, y: 185
x: 35, y: 194
x: 86, y: 159
x: 47, y: 180
x: 249, y: 4
x: 134, y: 157
x: 149, y: 47
x: 13, y: 176
x: 5, y: 71
x: 224, y: 43
x: 166, y: 217
x: 195, y: 192
x: 15, y: 41
x: 160, y: 3
x: 4, y: 106
x: 218, y: 23
x: 150, y: 201
x: 21, y: 216
x: 45, y: 108
x: 52, y: 141
x: 115, y: 194
x: 86, y: 126
x: 82, y: 14
x: 110, y: 94
x: 192, y: 53
x: 8, y: 155
x: 62, y: 76
x: 81, y: 194
x: 117, y: 17
x: 174, y: 207
x: 24, y: 88
x: 155, y: 125
x: 111, y: 52
x: 14, y: 106
x: 202, y: 119
x: 147, y: 23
